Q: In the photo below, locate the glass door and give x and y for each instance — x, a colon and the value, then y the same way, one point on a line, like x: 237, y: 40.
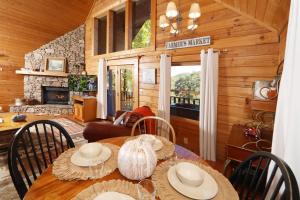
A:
x: 126, y: 88
x: 120, y: 89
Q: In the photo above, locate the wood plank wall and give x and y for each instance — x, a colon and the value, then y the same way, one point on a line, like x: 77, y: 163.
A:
x: 25, y: 26
x: 252, y: 54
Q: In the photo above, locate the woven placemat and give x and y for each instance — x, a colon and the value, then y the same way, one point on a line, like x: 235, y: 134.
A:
x: 165, y: 152
x: 64, y: 169
x: 166, y: 192
x: 121, y: 186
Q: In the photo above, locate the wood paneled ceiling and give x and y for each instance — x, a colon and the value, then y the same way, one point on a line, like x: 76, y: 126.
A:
x: 273, y: 14
x: 26, y: 25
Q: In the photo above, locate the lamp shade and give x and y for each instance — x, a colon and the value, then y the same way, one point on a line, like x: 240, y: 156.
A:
x: 18, y: 102
x: 163, y: 22
x: 171, y: 10
x: 192, y: 25
x: 174, y: 29
x: 195, y: 11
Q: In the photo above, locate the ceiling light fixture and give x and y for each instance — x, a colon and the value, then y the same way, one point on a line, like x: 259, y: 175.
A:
x: 173, y: 17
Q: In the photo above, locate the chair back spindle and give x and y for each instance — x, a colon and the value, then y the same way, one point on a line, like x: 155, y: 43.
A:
x: 154, y: 125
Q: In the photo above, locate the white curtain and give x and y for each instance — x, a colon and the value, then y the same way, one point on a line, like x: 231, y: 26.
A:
x: 286, y: 136
x: 102, y: 90
x: 164, y: 88
x: 208, y: 104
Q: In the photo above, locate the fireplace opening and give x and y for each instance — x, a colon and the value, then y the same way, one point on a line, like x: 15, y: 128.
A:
x: 55, y: 95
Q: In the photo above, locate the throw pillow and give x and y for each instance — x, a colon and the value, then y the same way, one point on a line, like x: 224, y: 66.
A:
x: 119, y: 120
x: 132, y: 118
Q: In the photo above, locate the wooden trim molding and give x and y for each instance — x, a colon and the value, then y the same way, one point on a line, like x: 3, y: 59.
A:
x: 95, y: 37
x: 110, y: 31
x: 128, y: 24
x: 108, y: 5
x: 153, y: 23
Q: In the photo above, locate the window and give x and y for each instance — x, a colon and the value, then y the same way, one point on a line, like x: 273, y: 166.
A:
x: 101, y: 36
x: 111, y: 34
x: 141, y: 24
x: 185, y: 91
x: 119, y: 30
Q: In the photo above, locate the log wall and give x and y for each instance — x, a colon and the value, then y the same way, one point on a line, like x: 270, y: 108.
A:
x: 251, y: 53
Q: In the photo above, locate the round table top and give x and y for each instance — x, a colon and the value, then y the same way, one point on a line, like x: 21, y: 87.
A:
x: 47, y: 186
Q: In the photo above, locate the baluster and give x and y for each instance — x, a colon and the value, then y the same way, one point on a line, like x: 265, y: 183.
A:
x: 23, y: 169
x: 258, y: 183
x: 145, y: 127
x: 277, y: 188
x: 28, y: 157
x: 47, y: 142
x: 140, y: 128
x: 245, y: 179
x: 270, y: 181
x: 34, y: 152
x: 61, y: 141
x: 54, y: 141
x: 41, y: 147
x: 255, y: 176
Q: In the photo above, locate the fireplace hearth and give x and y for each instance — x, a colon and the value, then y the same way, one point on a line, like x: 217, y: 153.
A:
x: 55, y: 95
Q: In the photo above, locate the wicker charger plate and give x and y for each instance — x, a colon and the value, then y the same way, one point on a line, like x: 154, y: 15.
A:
x: 165, y: 152
x: 166, y: 192
x: 64, y: 169
x: 121, y: 186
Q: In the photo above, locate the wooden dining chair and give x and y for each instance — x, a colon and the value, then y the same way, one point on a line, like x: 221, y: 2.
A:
x: 154, y: 125
x: 33, y: 148
x: 265, y: 176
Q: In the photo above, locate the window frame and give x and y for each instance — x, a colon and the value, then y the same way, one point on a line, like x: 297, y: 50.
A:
x: 173, y: 108
x: 128, y: 30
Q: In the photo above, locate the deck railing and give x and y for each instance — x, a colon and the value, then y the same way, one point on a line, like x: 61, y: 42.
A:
x: 183, y: 100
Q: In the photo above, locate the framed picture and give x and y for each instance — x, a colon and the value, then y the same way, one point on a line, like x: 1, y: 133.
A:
x: 55, y: 64
x: 260, y: 89
x: 149, y: 76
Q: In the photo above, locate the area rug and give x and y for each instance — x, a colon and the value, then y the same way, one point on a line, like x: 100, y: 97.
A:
x: 7, y: 189
x: 74, y: 129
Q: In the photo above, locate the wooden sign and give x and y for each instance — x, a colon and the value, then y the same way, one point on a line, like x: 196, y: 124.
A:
x: 194, y: 42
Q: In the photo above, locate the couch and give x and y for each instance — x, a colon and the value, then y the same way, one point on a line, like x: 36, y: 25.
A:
x: 95, y: 131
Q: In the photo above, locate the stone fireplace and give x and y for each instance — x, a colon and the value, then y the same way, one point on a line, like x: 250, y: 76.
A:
x: 52, y: 91
x: 55, y: 95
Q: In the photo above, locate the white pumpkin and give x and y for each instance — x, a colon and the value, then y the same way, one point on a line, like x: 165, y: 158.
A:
x: 136, y: 160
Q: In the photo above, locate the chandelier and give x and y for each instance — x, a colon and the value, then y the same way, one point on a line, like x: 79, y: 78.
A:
x: 173, y: 17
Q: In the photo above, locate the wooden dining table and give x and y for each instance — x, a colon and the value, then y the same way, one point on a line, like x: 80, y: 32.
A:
x: 47, y: 186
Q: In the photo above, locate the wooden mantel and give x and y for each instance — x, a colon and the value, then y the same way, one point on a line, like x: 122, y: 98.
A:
x: 34, y: 73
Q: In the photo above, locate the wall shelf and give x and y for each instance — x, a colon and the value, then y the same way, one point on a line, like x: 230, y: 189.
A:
x: 263, y: 105
x: 34, y: 73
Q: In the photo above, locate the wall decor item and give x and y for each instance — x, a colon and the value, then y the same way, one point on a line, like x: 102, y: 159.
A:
x: 260, y: 89
x: 194, y: 42
x: 266, y: 90
x: 136, y: 160
x: 55, y: 64
x: 149, y: 76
